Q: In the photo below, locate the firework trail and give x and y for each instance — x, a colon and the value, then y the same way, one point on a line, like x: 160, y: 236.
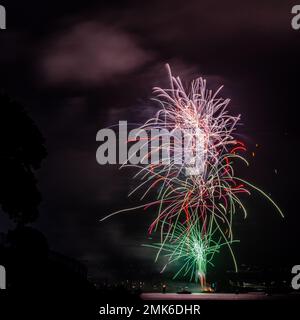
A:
x: 194, y: 250
x: 198, y: 192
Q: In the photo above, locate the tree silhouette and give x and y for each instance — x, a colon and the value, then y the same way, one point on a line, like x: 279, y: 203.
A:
x: 21, y: 153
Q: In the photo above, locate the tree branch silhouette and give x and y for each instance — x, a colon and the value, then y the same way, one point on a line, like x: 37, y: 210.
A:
x: 22, y: 149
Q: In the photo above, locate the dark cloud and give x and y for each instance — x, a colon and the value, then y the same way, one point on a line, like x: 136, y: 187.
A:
x: 90, y: 53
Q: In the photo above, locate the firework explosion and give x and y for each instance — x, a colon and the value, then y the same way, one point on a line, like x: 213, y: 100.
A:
x: 194, y: 249
x: 198, y: 192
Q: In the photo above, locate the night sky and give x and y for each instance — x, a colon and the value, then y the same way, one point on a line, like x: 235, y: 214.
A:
x: 81, y: 66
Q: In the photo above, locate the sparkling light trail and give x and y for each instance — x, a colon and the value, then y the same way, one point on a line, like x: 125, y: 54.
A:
x: 197, y: 196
